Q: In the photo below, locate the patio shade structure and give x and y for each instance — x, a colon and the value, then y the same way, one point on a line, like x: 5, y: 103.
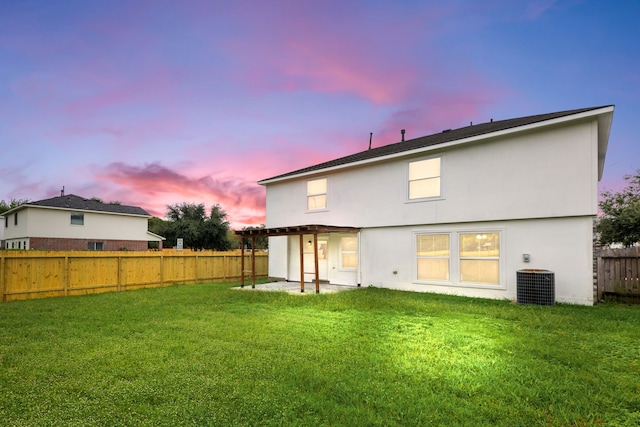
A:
x: 296, y: 230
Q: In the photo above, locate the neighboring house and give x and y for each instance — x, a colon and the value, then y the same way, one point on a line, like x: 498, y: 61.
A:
x: 70, y: 222
x: 457, y: 212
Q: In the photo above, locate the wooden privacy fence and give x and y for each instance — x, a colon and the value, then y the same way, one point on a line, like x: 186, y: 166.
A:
x: 619, y: 274
x: 42, y: 274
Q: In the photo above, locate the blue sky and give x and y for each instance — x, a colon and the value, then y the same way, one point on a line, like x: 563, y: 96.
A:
x: 153, y: 102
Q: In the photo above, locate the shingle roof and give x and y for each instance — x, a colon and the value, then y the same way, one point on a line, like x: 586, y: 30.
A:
x: 74, y: 202
x: 435, y: 139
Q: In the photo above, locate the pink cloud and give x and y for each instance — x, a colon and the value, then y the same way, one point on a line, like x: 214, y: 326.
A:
x: 154, y: 186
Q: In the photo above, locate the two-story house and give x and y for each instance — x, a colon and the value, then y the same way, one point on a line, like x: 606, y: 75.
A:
x: 457, y: 212
x: 70, y: 222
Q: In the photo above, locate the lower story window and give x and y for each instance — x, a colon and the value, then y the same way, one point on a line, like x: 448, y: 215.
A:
x: 95, y: 246
x: 432, y: 251
x: 477, y: 260
x: 480, y: 258
x: 349, y: 251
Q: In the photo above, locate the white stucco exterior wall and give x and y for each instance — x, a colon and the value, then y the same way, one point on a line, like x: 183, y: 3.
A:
x: 537, y: 188
x: 561, y: 245
x: 546, y: 174
x: 56, y: 223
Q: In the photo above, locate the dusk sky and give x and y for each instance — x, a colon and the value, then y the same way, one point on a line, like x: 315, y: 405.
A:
x: 159, y: 102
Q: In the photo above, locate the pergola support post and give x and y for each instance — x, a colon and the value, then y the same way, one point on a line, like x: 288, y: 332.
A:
x: 253, y: 262
x: 301, y: 263
x: 315, y: 259
x: 242, y: 262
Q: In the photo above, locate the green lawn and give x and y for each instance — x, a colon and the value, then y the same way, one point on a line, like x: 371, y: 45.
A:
x: 208, y: 355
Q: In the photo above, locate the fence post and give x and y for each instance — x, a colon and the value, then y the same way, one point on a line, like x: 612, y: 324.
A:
x: 195, y: 267
x: 119, y: 272
x: 67, y: 274
x: 224, y: 267
x: 600, y: 276
x: 2, y: 274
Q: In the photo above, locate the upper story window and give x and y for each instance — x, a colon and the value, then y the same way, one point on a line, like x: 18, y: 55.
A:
x: 77, y: 218
x: 15, y: 218
x: 424, y: 179
x: 6, y: 222
x: 317, y: 194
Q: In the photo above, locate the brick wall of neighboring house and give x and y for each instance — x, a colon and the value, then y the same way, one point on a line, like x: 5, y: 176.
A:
x: 52, y: 244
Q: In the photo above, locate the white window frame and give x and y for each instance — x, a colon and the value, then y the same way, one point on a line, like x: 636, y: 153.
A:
x: 325, y: 194
x: 93, y: 246
x: 341, y: 252
x: 80, y: 215
x: 471, y: 258
x: 408, y: 199
x: 418, y: 257
x: 454, y: 258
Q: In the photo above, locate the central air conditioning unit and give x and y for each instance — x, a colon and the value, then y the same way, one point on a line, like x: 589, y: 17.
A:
x: 536, y: 287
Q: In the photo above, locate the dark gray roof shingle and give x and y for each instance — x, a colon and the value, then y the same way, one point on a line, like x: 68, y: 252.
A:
x: 74, y: 202
x: 435, y: 139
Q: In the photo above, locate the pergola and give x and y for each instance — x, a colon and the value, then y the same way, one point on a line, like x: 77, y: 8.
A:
x: 297, y: 230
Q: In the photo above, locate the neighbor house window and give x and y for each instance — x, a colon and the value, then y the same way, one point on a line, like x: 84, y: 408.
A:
x: 480, y: 257
x: 77, y: 218
x: 424, y: 178
x: 15, y: 218
x: 317, y: 194
x: 6, y: 222
x: 433, y: 253
x: 95, y: 246
x: 349, y: 252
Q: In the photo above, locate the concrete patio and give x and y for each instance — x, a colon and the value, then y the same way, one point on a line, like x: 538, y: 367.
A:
x: 294, y: 287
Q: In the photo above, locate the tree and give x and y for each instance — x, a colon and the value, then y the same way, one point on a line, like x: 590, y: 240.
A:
x: 4, y: 206
x: 191, y: 223
x: 620, y: 220
x: 157, y: 226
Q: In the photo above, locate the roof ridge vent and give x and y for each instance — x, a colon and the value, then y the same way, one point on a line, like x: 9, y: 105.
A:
x: 446, y: 130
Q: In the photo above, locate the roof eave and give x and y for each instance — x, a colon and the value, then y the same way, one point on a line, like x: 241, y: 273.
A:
x: 17, y: 208
x: 604, y: 129
x: 602, y: 142
x: 26, y: 205
x: 157, y: 236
